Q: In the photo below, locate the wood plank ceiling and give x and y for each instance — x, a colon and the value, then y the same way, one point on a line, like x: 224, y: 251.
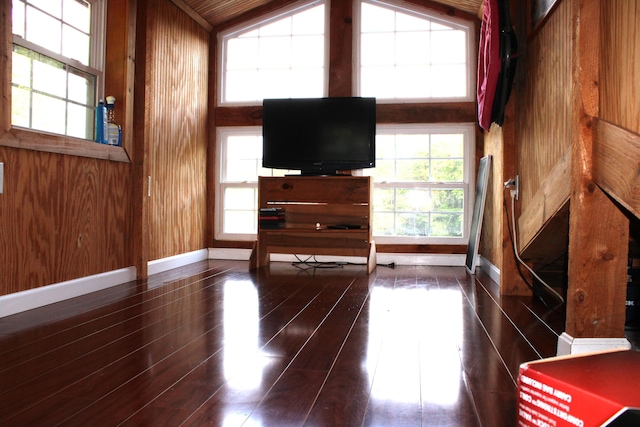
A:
x: 218, y: 12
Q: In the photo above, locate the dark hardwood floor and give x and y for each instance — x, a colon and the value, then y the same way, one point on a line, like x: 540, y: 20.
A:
x: 214, y: 344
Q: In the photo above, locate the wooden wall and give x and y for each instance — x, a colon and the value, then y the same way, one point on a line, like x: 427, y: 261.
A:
x: 175, y: 137
x: 543, y: 122
x: 65, y: 216
x: 620, y: 64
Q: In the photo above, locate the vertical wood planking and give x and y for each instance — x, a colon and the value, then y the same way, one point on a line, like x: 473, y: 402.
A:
x: 620, y: 80
x: 177, y: 98
x: 544, y: 104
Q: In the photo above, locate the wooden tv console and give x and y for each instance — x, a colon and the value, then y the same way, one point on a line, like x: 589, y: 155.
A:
x: 313, y: 207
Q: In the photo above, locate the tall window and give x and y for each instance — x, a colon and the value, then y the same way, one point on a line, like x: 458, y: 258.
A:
x: 240, y: 154
x: 57, y: 61
x: 418, y: 56
x: 280, y: 57
x: 421, y: 183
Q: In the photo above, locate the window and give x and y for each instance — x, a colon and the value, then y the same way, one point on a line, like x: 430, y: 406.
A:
x: 56, y: 65
x: 421, y: 183
x: 280, y: 57
x: 240, y: 154
x: 417, y: 55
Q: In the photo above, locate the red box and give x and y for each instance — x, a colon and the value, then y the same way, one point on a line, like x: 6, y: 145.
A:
x: 583, y: 390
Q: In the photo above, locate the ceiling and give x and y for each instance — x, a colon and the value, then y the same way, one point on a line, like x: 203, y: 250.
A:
x: 217, y: 12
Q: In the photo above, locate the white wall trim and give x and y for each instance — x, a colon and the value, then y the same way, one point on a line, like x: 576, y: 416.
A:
x: 50, y: 294
x: 45, y: 295
x: 449, y: 260
x: 568, y: 345
x: 491, y: 270
x: 164, y: 264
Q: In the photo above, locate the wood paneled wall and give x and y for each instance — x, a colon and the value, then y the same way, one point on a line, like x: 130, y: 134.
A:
x: 177, y: 63
x: 543, y: 122
x: 61, y: 216
x: 67, y: 216
x: 620, y: 64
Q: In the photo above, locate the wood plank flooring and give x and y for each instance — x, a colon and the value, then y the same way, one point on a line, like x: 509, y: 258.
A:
x: 215, y: 344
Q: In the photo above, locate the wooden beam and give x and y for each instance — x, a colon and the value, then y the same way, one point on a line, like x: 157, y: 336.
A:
x: 616, y: 168
x: 5, y: 67
x: 341, y: 48
x: 598, y: 230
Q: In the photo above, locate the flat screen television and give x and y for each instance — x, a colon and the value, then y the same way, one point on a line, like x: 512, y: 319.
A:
x: 319, y: 136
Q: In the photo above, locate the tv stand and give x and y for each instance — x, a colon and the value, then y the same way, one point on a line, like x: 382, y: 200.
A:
x: 315, y: 207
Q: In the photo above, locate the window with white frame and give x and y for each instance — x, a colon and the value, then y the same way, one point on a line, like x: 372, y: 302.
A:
x: 240, y: 154
x: 281, y: 56
x: 422, y: 179
x: 418, y: 55
x: 57, y: 65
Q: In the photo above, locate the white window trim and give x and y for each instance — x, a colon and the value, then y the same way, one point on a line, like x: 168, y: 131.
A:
x: 468, y: 129
x: 222, y: 37
x: 420, y: 12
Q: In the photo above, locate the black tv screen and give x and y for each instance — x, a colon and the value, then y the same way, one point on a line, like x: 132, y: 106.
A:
x: 319, y: 136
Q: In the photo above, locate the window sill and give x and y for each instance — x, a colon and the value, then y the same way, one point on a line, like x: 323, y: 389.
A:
x: 39, y: 141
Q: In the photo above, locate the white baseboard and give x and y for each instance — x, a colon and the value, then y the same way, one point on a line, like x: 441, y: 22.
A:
x: 45, y: 295
x: 164, y: 264
x: 230, y: 254
x: 568, y: 345
x: 452, y: 260
x: 491, y: 270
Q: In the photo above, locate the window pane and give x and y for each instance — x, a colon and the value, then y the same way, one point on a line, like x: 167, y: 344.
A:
x: 309, y: 22
x: 307, y: 52
x: 242, y: 53
x: 383, y: 224
x: 240, y: 222
x: 49, y: 77
x: 412, y: 200
x: 446, y: 170
x: 447, y: 145
x: 444, y: 225
x: 20, y: 107
x: 413, y: 170
x: 241, y: 85
x: 240, y: 211
x: 447, y: 200
x: 412, y: 224
x: 81, y: 88
x: 48, y: 114
x: 77, y: 13
x: 275, y: 52
x: 79, y: 121
x: 240, y: 199
x: 377, y: 19
x: 75, y: 45
x: 44, y: 30
x: 448, y: 47
x: 17, y: 24
x: 21, y: 69
x: 52, y: 7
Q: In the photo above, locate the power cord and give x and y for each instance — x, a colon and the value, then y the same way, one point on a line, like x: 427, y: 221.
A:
x: 514, y: 239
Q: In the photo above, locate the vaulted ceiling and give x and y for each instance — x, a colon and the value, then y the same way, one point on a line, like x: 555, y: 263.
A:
x: 218, y: 12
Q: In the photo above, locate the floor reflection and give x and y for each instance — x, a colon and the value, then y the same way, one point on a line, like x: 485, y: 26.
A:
x: 420, y: 331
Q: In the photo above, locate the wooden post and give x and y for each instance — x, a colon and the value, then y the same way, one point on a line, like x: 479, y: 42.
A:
x: 598, y: 230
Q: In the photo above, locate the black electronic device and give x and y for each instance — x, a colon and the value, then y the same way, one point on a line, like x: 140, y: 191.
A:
x: 319, y: 136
